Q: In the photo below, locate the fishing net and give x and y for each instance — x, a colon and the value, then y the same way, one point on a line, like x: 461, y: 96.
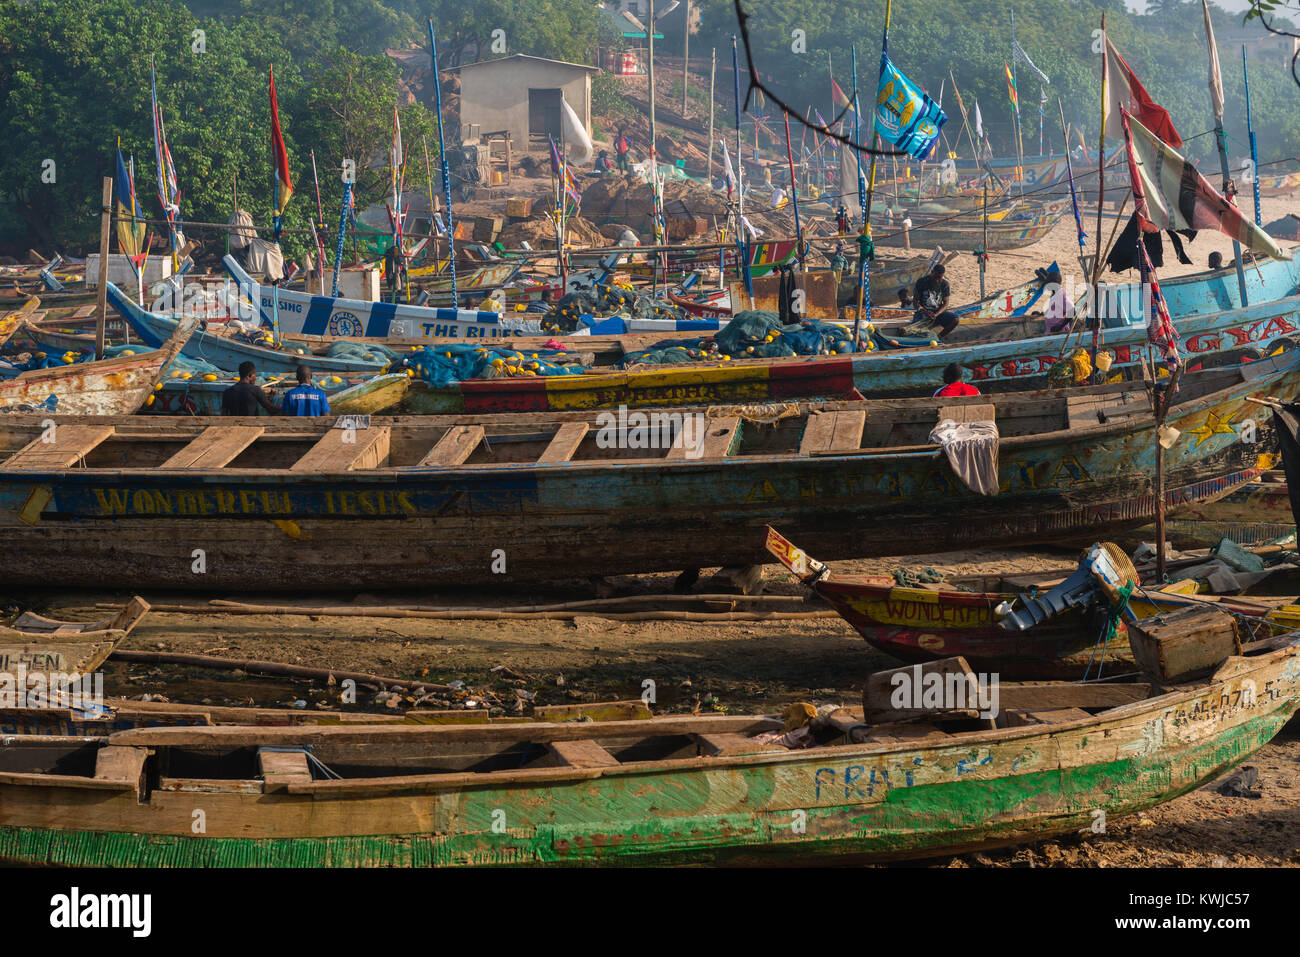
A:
x: 445, y: 365
x: 363, y: 351
x: 576, y: 309
x: 752, y: 334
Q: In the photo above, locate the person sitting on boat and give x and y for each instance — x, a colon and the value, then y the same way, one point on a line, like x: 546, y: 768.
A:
x: 603, y: 164
x: 245, y: 396
x: 905, y: 300
x: 305, y: 398
x: 953, y: 385
x: 1216, y: 260
x: 1059, y: 313
x: 932, y: 295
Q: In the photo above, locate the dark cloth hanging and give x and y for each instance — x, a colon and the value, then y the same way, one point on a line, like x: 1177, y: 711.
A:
x: 1123, y: 255
x: 785, y: 296
x: 1286, y: 426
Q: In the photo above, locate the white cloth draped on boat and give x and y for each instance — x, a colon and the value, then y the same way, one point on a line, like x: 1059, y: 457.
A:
x: 243, y: 233
x: 266, y: 259
x: 972, y: 450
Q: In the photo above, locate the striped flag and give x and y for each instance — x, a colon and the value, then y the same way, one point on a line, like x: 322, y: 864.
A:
x: 1011, y: 86
x: 281, y: 183
x: 168, y: 190
x: 130, y: 235
x: 573, y: 195
x: 1169, y: 193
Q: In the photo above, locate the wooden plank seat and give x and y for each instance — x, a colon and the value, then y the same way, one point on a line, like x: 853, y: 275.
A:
x: 833, y: 432
x: 70, y: 444
x: 721, y: 438
x: 342, y: 450
x: 565, y: 443
x: 215, y: 447
x: 455, y: 447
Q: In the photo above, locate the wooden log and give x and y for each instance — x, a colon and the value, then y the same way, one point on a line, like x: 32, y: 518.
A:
x: 276, y: 668
x: 635, y: 709
x: 1180, y: 645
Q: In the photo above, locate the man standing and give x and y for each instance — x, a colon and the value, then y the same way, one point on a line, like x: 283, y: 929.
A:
x: 932, y: 295
x: 244, y: 397
x: 621, y: 148
x: 305, y: 398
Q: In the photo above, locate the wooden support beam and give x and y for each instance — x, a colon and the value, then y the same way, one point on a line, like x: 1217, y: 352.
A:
x: 70, y: 444
x: 455, y: 447
x: 215, y: 447
x: 122, y: 765
x: 833, y: 432
x: 580, y: 754
x: 721, y: 745
x: 567, y: 439
x: 279, y: 769
x: 721, y: 438
x: 342, y: 450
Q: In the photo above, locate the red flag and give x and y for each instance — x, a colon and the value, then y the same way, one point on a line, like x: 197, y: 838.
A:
x: 1124, y: 91
x: 838, y: 95
x: 279, y: 156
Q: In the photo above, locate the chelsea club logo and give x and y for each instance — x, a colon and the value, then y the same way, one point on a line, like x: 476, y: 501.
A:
x: 344, y: 324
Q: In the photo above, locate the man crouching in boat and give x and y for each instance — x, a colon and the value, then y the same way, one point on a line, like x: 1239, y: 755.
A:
x: 932, y: 295
x: 245, y: 396
x: 305, y: 398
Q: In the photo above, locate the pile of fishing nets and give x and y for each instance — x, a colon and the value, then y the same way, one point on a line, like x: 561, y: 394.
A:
x: 364, y: 351
x: 576, y: 309
x: 444, y: 365
x: 751, y: 334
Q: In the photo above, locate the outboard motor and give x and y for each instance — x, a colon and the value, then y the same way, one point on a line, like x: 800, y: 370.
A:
x: 1101, y: 575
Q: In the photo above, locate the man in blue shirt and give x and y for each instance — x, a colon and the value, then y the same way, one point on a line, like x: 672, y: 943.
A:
x: 305, y: 399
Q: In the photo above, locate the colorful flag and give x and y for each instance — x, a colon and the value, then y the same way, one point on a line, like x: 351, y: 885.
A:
x: 573, y: 195
x: 1169, y: 193
x: 130, y: 235
x: 397, y: 163
x: 1011, y: 86
x: 168, y: 190
x: 1160, y: 326
x: 905, y: 116
x: 1216, y: 80
x: 1124, y: 92
x: 281, y: 184
x: 839, y: 96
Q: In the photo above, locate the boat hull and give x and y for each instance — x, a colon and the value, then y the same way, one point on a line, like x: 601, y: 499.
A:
x: 429, y: 526
x: 842, y: 804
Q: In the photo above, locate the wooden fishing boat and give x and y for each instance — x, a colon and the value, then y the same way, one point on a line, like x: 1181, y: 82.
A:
x: 764, y: 257
x: 964, y: 616
x: 867, y: 785
x: 423, y: 501
x: 1006, y: 234
x: 11, y: 322
x: 1254, y: 514
x: 369, y: 396
x: 227, y: 353
x: 49, y: 646
x: 107, y: 387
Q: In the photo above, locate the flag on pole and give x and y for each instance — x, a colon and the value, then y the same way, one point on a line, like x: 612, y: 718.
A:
x: 572, y: 195
x: 281, y: 184
x: 1216, y: 80
x: 1124, y: 92
x: 168, y: 190
x: 1018, y: 53
x: 130, y: 235
x: 731, y: 172
x: 1011, y: 86
x: 1161, y: 331
x: 1169, y: 193
x: 979, y: 121
x: 905, y: 116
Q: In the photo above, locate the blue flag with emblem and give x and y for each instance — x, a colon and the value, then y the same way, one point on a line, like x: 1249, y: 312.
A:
x: 906, y: 117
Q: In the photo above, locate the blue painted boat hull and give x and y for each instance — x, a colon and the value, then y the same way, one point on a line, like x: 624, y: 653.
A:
x: 227, y: 354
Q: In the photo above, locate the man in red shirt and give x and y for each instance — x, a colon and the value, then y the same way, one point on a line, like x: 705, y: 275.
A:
x: 953, y: 384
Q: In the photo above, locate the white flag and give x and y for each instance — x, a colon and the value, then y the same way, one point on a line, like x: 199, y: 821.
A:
x: 1216, y: 81
x: 1018, y: 53
x: 726, y: 163
x: 979, y: 122
x: 578, y: 146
